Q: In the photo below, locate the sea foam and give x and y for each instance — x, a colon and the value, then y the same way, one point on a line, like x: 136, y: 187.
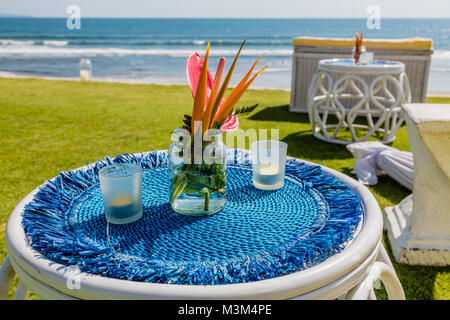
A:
x: 65, y: 51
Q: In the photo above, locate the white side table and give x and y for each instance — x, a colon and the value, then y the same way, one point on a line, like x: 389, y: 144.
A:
x: 346, y: 91
x: 349, y: 274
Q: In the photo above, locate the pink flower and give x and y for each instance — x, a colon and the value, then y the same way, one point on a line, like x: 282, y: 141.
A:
x: 231, y: 124
x: 193, y: 69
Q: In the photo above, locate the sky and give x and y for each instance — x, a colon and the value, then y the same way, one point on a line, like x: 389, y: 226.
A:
x: 229, y: 8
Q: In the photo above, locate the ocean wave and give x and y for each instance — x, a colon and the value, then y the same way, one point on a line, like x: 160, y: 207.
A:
x: 270, y: 69
x: 10, y: 42
x: 7, y: 74
x: 19, y: 43
x: 93, y: 52
x: 440, y: 69
x: 55, y: 43
x: 238, y: 42
x: 105, y: 41
x: 441, y: 55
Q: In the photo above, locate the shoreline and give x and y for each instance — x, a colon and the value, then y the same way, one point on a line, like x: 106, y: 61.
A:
x: 5, y: 76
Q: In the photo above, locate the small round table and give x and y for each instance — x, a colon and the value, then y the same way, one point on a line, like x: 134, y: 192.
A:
x: 349, y: 273
x: 342, y: 92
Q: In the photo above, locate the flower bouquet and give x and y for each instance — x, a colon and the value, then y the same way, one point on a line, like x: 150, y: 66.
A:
x: 359, y: 48
x: 197, y: 155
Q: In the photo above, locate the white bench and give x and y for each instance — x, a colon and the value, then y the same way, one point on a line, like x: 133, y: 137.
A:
x: 419, y: 227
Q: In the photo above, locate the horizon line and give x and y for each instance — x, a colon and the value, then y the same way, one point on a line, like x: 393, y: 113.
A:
x: 4, y: 15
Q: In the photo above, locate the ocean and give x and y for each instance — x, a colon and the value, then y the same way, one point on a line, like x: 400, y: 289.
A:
x: 155, y: 50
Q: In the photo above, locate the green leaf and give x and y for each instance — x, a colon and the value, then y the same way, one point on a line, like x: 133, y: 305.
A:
x: 178, y: 187
x: 225, y: 83
x: 245, y: 110
x: 187, y: 122
x: 216, y: 125
x: 203, y: 178
x: 206, y: 195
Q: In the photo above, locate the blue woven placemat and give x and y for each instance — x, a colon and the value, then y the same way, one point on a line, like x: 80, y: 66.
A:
x: 258, y: 235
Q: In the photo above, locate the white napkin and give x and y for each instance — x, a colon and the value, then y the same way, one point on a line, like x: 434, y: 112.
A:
x: 373, y: 158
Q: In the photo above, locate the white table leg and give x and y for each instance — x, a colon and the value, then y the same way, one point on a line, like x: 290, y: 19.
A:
x: 21, y: 292
x: 372, y: 295
x: 7, y: 274
x: 386, y: 274
x: 384, y: 257
x: 369, y: 100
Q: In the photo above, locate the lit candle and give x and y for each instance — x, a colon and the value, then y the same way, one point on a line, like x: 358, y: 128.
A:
x: 122, y: 207
x: 85, y: 75
x: 269, y: 160
x: 85, y: 69
x: 268, y: 174
x: 121, y: 186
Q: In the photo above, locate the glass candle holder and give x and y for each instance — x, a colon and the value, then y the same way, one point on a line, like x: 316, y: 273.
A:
x: 85, y: 69
x: 269, y: 163
x: 121, y: 186
x: 366, y: 58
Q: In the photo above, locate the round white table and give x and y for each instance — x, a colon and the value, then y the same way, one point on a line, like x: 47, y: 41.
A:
x: 346, y: 92
x: 350, y: 274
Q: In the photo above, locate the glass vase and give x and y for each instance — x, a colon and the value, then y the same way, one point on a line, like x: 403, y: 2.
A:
x: 356, y: 54
x: 197, y: 168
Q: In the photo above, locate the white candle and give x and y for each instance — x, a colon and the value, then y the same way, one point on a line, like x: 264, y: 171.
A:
x: 268, y: 170
x: 121, y: 186
x: 85, y: 75
x: 268, y: 175
x: 269, y: 158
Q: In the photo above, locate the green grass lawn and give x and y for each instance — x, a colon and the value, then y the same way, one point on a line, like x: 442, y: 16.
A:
x: 50, y: 126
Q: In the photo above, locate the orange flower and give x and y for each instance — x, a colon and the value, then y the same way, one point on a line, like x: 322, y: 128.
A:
x: 209, y: 103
